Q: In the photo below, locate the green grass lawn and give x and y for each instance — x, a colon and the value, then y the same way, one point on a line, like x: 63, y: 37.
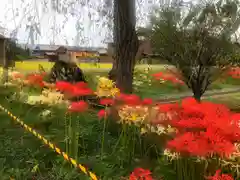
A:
x: 231, y: 100
x: 155, y: 90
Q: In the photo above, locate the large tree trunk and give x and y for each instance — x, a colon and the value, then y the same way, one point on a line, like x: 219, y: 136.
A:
x: 125, y: 42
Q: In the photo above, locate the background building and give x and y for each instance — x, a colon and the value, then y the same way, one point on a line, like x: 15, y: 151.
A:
x: 85, y: 54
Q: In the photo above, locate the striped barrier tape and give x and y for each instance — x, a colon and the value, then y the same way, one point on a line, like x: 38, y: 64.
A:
x: 51, y: 145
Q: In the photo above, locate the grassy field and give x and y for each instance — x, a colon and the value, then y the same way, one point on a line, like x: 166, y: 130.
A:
x: 231, y: 100
x: 34, y: 65
x: 155, y: 90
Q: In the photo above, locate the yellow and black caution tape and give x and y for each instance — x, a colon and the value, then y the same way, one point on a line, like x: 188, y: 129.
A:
x: 51, y: 145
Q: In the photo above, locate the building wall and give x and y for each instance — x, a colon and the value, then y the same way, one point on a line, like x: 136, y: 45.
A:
x: 106, y: 59
x: 144, y: 47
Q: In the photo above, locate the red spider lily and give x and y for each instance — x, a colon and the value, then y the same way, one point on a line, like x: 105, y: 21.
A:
x: 219, y: 176
x: 140, y: 174
x: 147, y: 101
x: 168, y: 77
x: 102, y: 114
x: 64, y: 86
x: 107, y: 101
x: 188, y: 101
x: 203, y: 128
x: 77, y: 91
x: 158, y: 75
x: 131, y: 99
x: 188, y: 143
x: 81, y: 85
x: 121, y: 96
x: 234, y: 72
x: 80, y: 106
x: 35, y: 80
x: 168, y: 107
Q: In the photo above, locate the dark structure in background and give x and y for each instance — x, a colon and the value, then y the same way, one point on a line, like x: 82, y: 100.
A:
x: 85, y: 54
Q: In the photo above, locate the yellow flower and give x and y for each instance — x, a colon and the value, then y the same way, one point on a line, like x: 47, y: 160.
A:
x: 171, y: 155
x: 133, y: 114
x: 233, y: 162
x: 115, y: 91
x: 171, y: 129
x: 106, y: 88
x: 105, y: 83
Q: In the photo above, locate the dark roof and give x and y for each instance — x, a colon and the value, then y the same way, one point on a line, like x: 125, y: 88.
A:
x: 76, y: 48
x: 46, y: 47
x: 86, y: 49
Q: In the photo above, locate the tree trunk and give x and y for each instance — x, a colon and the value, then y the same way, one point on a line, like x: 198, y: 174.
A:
x: 197, y: 94
x: 125, y: 42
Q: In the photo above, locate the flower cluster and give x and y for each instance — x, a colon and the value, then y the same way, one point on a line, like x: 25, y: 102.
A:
x: 203, y: 129
x: 35, y: 80
x: 106, y: 88
x: 73, y: 90
x: 218, y: 176
x: 234, y: 72
x: 142, y: 77
x: 163, y: 77
x: 140, y: 174
x: 48, y: 97
x: 234, y: 161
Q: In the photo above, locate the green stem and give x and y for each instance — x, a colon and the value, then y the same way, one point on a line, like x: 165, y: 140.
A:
x: 70, y: 135
x: 103, y: 134
x: 119, y: 140
x: 134, y: 141
x: 76, y: 138
x: 66, y: 134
